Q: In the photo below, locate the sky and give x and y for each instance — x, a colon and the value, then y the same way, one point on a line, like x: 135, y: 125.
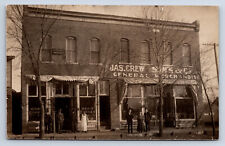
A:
x: 207, y: 16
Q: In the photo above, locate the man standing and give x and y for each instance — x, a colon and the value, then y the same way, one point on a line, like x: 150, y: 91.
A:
x: 147, y: 120
x: 130, y: 121
x: 60, y: 120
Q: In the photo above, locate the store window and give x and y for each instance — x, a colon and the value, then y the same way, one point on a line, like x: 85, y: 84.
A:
x: 95, y: 51
x: 46, y: 52
x: 186, y: 54
x: 151, y: 96
x: 87, y: 100
x: 71, y: 50
x: 33, y: 101
x: 133, y: 100
x: 145, y: 53
x: 184, y: 102
x: 124, y: 51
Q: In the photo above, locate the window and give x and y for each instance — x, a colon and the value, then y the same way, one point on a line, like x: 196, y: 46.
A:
x: 151, y: 90
x: 46, y: 52
x: 87, y: 100
x: 34, y: 108
x: 104, y: 88
x: 124, y: 51
x: 62, y: 88
x: 33, y: 101
x: 133, y: 101
x: 71, y: 50
x: 186, y: 54
x: 185, y: 108
x: 168, y: 53
x: 95, y: 51
x: 184, y: 102
x: 145, y: 53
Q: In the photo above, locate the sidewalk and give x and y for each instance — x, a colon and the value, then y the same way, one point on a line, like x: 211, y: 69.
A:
x: 168, y: 134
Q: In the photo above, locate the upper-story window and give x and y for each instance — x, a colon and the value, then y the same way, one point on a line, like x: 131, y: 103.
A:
x: 71, y: 50
x: 46, y: 53
x: 168, y: 59
x: 186, y: 54
x: 124, y: 51
x: 95, y: 51
x: 145, y: 53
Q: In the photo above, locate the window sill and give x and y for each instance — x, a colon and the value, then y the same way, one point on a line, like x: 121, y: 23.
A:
x: 125, y: 63
x: 95, y: 64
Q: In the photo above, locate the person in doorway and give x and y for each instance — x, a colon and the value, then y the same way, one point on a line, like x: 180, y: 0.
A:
x: 140, y: 119
x: 130, y: 121
x: 48, y: 121
x: 84, y: 122
x: 147, y: 117
x: 60, y: 120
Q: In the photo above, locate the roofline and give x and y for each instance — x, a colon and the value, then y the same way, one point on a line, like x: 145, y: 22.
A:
x: 53, y: 12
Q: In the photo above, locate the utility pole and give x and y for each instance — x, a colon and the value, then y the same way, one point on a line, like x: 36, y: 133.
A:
x: 215, y: 54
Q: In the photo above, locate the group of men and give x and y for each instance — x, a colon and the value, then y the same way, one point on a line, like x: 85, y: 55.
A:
x: 141, y: 120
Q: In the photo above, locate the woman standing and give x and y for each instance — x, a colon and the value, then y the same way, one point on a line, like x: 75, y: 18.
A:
x: 84, y: 122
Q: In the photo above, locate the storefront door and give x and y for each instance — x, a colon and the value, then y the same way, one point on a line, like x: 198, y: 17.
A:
x: 65, y: 105
x: 105, y: 112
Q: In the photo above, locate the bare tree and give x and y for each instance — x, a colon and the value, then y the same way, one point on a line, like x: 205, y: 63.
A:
x: 18, y: 31
x: 165, y: 40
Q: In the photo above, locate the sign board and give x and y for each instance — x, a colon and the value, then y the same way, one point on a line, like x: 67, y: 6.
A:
x: 150, y: 71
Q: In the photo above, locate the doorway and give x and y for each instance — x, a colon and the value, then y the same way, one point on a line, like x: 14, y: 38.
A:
x: 65, y: 105
x: 104, y: 112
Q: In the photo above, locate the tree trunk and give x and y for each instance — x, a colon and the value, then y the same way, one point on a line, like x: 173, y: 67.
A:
x: 42, y: 110
x: 161, y: 108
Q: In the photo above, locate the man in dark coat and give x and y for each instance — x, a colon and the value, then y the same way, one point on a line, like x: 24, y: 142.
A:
x: 147, y: 117
x: 130, y: 121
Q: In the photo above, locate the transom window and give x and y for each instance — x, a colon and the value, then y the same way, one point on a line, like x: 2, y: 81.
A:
x: 61, y: 88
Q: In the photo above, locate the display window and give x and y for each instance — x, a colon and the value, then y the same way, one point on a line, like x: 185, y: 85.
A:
x: 184, y: 102
x: 87, y: 100
x: 133, y: 101
x: 33, y: 101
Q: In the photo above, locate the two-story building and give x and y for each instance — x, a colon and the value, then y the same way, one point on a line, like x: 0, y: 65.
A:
x: 90, y: 63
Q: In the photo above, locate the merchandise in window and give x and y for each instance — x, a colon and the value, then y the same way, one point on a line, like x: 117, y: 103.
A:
x: 185, y: 108
x: 87, y: 105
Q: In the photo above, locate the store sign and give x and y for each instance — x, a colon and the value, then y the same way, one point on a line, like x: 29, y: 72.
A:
x: 149, y: 71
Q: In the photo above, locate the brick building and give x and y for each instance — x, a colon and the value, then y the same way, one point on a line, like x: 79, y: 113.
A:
x: 92, y: 63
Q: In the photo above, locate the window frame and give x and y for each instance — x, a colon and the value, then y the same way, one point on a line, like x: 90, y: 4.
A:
x: 128, y: 51
x: 189, y: 53
x: 73, y: 50
x: 99, y: 51
x: 43, y: 49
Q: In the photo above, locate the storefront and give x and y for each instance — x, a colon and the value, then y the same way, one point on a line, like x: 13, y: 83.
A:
x: 70, y: 94
x: 140, y: 91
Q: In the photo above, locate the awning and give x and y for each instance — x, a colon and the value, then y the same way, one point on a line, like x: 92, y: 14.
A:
x: 47, y: 78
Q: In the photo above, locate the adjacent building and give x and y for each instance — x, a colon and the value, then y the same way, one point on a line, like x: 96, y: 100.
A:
x: 103, y: 65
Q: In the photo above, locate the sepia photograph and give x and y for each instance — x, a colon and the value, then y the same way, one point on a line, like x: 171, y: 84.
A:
x: 104, y: 72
